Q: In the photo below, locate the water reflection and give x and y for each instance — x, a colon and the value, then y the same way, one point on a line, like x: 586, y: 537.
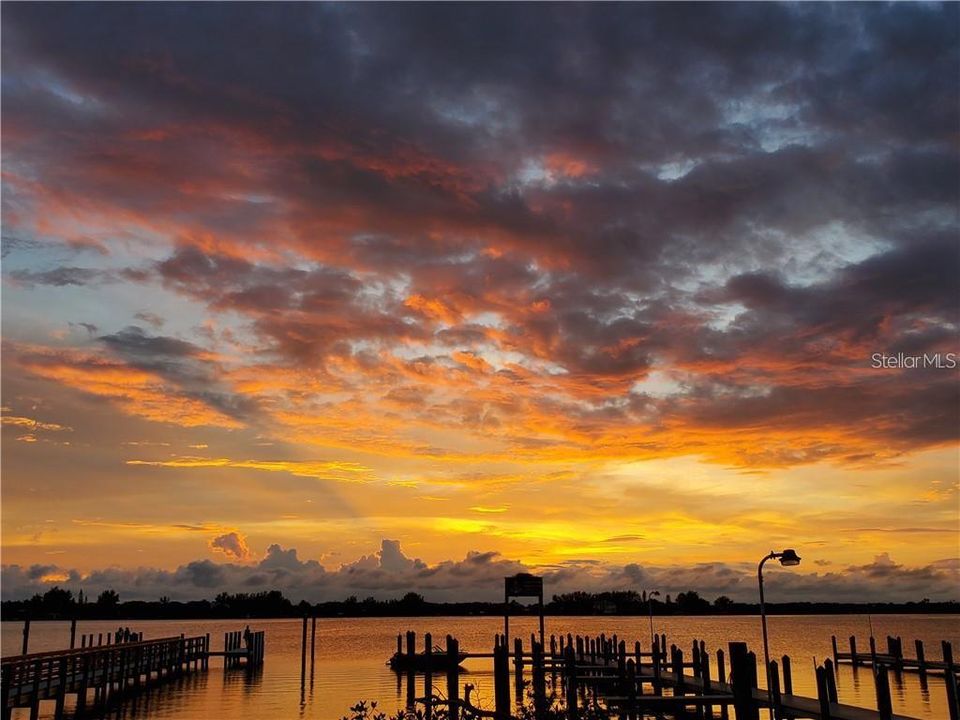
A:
x: 349, y: 661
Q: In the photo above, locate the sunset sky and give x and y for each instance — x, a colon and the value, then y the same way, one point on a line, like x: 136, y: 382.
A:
x: 361, y: 299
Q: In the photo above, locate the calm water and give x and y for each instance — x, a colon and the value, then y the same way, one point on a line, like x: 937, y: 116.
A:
x: 351, y: 654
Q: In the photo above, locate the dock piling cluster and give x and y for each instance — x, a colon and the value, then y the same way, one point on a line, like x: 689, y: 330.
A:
x: 664, y: 681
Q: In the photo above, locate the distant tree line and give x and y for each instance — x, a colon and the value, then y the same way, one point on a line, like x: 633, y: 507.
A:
x: 60, y: 604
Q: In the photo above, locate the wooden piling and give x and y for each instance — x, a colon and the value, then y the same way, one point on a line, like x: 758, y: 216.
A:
x: 539, y: 680
x: 428, y: 675
x: 721, y: 677
x: 921, y: 661
x: 303, y: 654
x: 631, y: 690
x: 26, y: 636
x: 773, y: 673
x: 882, y: 683
x: 953, y: 696
x: 501, y: 680
x: 853, y: 650
x: 73, y: 633
x: 787, y: 675
x: 831, y: 680
x: 518, y: 667
x: 823, y: 694
x: 676, y: 656
x: 836, y: 653
x: 657, y: 669
x: 573, y: 712
x: 740, y: 676
x: 313, y: 644
x: 453, y: 677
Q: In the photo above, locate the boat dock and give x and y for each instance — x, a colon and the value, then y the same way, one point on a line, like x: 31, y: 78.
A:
x: 100, y: 674
x: 662, y: 681
x: 894, y: 657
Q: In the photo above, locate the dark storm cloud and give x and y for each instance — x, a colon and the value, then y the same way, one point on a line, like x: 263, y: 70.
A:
x: 605, y: 180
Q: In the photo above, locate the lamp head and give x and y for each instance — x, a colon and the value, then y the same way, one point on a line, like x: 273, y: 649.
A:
x: 789, y: 558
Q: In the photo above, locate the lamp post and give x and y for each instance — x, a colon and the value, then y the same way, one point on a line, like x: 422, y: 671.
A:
x: 787, y: 558
x: 650, y: 611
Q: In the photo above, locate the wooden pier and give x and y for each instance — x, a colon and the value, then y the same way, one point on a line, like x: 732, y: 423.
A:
x: 894, y: 658
x: 101, y: 674
x: 238, y: 650
x: 660, y: 682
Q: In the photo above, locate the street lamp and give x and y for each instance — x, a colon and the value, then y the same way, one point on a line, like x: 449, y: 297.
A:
x: 650, y: 610
x: 787, y: 558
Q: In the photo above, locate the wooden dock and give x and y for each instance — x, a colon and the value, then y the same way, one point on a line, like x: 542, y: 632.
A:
x: 894, y: 657
x: 101, y: 674
x: 660, y: 682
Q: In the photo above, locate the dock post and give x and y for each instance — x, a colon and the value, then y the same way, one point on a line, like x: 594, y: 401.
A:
x: 947, y: 650
x: 428, y: 675
x: 953, y: 701
x: 657, y: 681
x: 823, y: 694
x: 721, y: 677
x: 831, y: 680
x: 73, y: 633
x: 411, y: 643
x: 411, y: 689
x: 539, y: 681
x: 676, y: 656
x: 206, y: 654
x: 84, y: 683
x: 35, y: 702
x: 921, y: 661
x: 873, y: 652
x: 453, y: 677
x: 573, y: 712
x: 553, y: 645
x: 882, y: 682
x: 26, y: 635
x: 631, y: 690
x: 740, y: 675
x: 313, y: 644
x: 774, y: 673
x: 836, y: 653
x: 705, y: 679
x: 853, y: 650
x: 6, y: 682
x: 501, y: 679
x: 518, y: 667
x: 303, y: 654
x: 787, y: 675
x: 61, y: 689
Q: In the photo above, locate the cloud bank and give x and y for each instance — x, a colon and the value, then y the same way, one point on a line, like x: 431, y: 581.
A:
x: 479, y: 576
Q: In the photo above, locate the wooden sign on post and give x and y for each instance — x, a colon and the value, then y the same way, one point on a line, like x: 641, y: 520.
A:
x: 521, y: 585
